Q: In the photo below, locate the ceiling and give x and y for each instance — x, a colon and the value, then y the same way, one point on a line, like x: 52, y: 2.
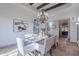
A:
x: 51, y: 8
x: 40, y: 6
x: 45, y: 6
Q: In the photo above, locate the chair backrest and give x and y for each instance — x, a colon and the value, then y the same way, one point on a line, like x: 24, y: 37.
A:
x: 20, y: 45
x: 48, y: 44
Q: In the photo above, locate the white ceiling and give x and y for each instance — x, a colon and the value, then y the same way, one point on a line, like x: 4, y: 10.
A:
x: 49, y: 5
x: 35, y: 5
x: 51, y: 13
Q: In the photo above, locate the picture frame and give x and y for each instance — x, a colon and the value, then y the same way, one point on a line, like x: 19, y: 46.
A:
x: 19, y: 25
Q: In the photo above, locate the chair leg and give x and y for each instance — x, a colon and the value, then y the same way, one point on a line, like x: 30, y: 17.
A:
x: 51, y: 51
x: 44, y: 55
x: 57, y: 44
x: 18, y: 53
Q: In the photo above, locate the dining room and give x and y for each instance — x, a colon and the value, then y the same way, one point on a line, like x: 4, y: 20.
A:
x: 32, y: 29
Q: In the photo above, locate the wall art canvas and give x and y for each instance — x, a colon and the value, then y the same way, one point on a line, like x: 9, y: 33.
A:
x: 19, y: 25
x: 35, y: 27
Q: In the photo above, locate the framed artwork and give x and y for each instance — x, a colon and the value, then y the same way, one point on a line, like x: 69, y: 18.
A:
x: 35, y: 26
x: 51, y: 25
x: 54, y: 26
x: 19, y: 25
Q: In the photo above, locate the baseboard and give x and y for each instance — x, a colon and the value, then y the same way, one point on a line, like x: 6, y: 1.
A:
x: 74, y: 42
x: 8, y: 46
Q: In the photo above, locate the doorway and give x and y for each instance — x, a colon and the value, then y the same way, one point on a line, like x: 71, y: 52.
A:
x: 64, y: 29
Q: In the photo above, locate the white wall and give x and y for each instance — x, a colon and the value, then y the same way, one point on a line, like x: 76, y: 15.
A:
x: 8, y: 12
x: 66, y: 11
x: 73, y: 32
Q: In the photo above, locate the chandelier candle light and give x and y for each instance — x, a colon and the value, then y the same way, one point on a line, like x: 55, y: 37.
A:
x: 42, y: 16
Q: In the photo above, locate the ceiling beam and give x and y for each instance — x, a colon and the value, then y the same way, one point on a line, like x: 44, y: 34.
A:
x: 31, y: 3
x: 55, y: 6
x: 42, y: 5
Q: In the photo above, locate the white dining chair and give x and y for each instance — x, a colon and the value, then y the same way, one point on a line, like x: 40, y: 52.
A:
x: 20, y: 46
x: 23, y: 50
x: 45, y: 45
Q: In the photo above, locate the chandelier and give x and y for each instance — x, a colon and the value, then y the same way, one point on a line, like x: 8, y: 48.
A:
x: 42, y: 16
